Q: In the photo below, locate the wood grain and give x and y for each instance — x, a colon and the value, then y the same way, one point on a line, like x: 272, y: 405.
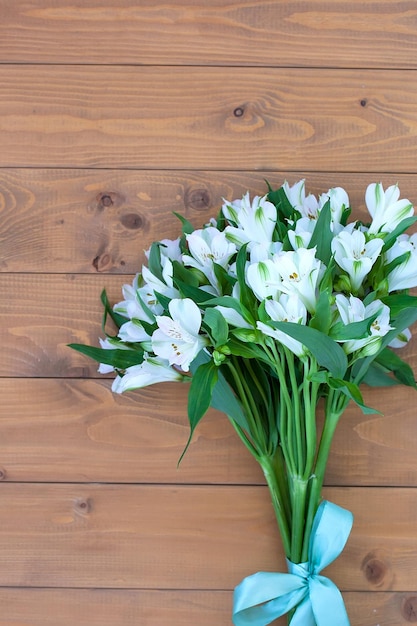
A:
x: 89, y: 221
x: 222, y: 118
x: 150, y: 537
x: 78, y: 431
x: 220, y: 32
x: 97, y: 607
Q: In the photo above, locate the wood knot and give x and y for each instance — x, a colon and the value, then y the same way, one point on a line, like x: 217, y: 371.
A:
x: 239, y: 111
x: 197, y: 199
x: 364, y: 102
x: 409, y: 609
x: 375, y: 569
x: 102, y: 262
x: 133, y: 221
x: 3, y: 473
x: 107, y: 199
x: 83, y: 506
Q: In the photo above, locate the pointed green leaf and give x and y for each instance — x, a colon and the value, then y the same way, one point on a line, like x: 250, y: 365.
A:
x: 223, y: 398
x: 219, y: 329
x: 377, y: 376
x: 184, y: 274
x: 322, y: 235
x: 195, y: 293
x: 391, y: 238
x: 322, y: 318
x: 154, y: 261
x: 327, y: 352
x: 119, y: 359
x: 187, y: 227
x: 199, y: 396
x: 351, y: 391
x: 354, y: 330
x: 393, y: 363
x: 118, y: 319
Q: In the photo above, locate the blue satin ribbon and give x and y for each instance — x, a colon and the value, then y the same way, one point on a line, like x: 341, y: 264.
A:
x: 263, y: 597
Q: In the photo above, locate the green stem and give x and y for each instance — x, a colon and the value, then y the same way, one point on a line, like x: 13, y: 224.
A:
x: 273, y: 479
x: 335, y: 405
x: 298, y: 495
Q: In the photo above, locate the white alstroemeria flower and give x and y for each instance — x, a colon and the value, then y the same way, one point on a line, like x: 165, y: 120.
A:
x: 352, y: 309
x: 307, y: 206
x: 404, y: 275
x: 151, y: 371
x: 131, y: 307
x: 133, y: 332
x: 339, y: 200
x: 264, y: 279
x: 300, y: 273
x: 259, y: 252
x: 300, y: 237
x: 354, y: 255
x: 253, y: 222
x: 385, y: 208
x: 208, y: 246
x: 401, y: 340
x: 170, y: 248
x: 288, y: 308
x: 177, y: 339
x: 164, y: 286
x: 233, y: 317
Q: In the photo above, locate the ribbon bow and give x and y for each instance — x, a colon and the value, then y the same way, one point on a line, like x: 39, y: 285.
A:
x: 263, y: 597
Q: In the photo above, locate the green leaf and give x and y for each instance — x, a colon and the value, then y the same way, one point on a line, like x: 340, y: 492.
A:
x: 246, y: 296
x: 154, y: 261
x: 118, y: 319
x: 393, y: 363
x: 231, y: 303
x: 187, y: 227
x: 351, y: 391
x: 199, y: 396
x: 322, y: 235
x: 354, y: 330
x: 376, y: 376
x: 398, y: 302
x: 403, y: 258
x: 198, y: 295
x: 217, y: 325
x: 163, y: 300
x: 402, y: 226
x: 226, y: 281
x: 283, y: 205
x: 119, y: 359
x: 323, y: 316
x: 327, y: 352
x: 223, y: 398
x: 181, y: 273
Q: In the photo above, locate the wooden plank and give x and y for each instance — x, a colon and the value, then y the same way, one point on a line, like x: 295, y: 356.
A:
x: 97, y: 607
x: 93, y: 221
x: 78, y: 431
x: 41, y: 314
x: 149, y: 537
x: 220, y: 118
x: 220, y: 32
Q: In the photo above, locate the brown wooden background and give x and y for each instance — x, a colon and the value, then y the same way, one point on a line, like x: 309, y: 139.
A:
x: 114, y: 114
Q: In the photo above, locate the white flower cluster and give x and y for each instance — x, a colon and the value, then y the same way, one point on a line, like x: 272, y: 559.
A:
x: 267, y: 260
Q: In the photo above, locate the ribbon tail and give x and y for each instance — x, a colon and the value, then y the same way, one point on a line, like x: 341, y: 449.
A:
x: 327, y: 603
x: 263, y: 597
x: 330, y: 531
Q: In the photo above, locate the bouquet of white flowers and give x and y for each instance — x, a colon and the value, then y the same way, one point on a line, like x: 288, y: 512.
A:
x: 276, y: 304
